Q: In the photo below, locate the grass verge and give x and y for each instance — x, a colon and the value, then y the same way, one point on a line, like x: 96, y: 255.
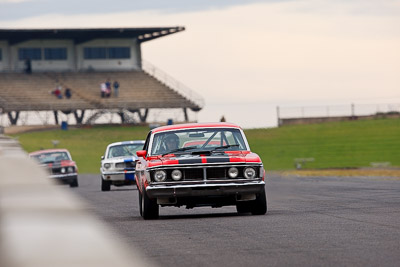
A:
x: 335, y: 145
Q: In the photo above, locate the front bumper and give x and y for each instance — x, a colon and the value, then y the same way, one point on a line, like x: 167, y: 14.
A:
x: 66, y: 178
x: 205, y: 190
x: 118, y: 176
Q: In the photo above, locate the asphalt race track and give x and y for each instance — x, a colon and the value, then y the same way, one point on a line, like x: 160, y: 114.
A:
x: 310, y: 222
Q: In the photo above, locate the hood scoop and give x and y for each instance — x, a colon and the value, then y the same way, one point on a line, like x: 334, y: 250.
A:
x: 203, y: 152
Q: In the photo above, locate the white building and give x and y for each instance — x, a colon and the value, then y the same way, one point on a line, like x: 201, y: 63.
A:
x: 76, y: 49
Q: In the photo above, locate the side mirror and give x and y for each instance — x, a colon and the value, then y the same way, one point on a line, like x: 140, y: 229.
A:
x: 141, y: 153
x: 102, y: 157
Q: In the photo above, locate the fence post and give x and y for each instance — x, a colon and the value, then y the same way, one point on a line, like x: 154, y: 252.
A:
x: 278, y: 116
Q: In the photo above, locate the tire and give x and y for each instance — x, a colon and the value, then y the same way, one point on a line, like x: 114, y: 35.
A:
x: 243, y: 207
x: 74, y: 183
x: 140, y: 203
x: 150, y: 209
x: 105, y: 185
x: 259, y: 206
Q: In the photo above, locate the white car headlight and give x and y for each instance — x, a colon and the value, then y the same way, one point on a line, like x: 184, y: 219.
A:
x: 249, y: 173
x: 70, y: 169
x: 176, y: 175
x: 233, y: 172
x: 63, y: 170
x: 107, y: 165
x: 160, y: 176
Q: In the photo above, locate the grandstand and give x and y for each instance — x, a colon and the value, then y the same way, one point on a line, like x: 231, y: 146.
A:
x: 82, y: 59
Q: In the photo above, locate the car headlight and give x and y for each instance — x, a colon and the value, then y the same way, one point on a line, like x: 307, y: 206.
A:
x: 176, y: 175
x: 70, y: 169
x: 107, y: 165
x: 160, y: 176
x: 249, y: 173
x: 63, y: 170
x: 233, y: 172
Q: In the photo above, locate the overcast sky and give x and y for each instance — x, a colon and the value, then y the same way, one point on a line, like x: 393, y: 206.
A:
x: 247, y: 57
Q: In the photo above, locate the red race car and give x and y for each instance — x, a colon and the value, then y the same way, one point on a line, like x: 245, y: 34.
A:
x: 60, y: 165
x: 199, y: 164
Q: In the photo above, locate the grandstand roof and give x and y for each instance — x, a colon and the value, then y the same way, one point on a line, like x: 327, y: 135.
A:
x: 15, y: 36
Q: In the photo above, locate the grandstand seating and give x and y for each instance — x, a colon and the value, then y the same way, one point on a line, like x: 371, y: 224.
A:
x: 29, y: 92
x: 22, y: 92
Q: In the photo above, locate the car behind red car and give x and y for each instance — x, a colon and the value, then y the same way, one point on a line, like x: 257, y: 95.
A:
x: 59, y: 163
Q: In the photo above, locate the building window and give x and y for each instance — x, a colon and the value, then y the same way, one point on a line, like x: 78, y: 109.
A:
x: 57, y: 53
x: 106, y: 52
x: 30, y: 53
x: 119, y: 52
x: 95, y: 53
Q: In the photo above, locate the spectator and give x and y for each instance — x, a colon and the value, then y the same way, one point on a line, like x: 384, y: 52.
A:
x: 68, y: 93
x: 57, y: 92
x: 108, y: 88
x: 116, y: 88
x: 103, y: 89
x: 28, y: 66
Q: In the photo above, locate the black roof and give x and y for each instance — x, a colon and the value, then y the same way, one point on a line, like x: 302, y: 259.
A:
x: 14, y: 36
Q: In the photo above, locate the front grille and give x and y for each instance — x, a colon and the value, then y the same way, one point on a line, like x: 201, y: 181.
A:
x: 123, y: 165
x: 193, y: 174
x: 130, y: 164
x: 212, y: 173
x: 216, y: 173
x: 56, y: 170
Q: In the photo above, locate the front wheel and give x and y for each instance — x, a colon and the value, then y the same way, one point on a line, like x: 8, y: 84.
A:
x: 243, y: 207
x: 74, y: 183
x: 260, y: 204
x: 149, y: 207
x: 105, y: 185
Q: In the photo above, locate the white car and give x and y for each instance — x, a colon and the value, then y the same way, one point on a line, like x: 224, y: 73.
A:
x: 118, y: 164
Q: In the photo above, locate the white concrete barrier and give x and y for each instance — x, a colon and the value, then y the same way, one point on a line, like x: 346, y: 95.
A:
x: 43, y: 225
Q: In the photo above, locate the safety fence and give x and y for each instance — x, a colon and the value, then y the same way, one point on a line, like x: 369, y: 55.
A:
x: 337, y: 110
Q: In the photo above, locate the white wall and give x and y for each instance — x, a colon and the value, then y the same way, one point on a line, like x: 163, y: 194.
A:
x: 75, y: 60
x: 44, y: 65
x: 110, y: 64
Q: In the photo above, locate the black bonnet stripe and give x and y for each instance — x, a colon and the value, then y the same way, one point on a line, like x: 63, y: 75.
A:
x: 209, y: 159
x: 218, y: 159
x: 190, y: 160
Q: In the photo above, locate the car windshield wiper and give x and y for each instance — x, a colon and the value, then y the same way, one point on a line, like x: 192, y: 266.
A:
x: 180, y: 150
x: 222, y: 147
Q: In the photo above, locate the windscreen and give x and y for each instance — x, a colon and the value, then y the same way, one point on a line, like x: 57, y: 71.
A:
x: 51, y: 157
x: 124, y: 150
x: 187, y: 141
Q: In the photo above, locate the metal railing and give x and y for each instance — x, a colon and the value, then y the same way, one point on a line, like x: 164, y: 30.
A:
x: 172, y: 83
x: 336, y: 110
